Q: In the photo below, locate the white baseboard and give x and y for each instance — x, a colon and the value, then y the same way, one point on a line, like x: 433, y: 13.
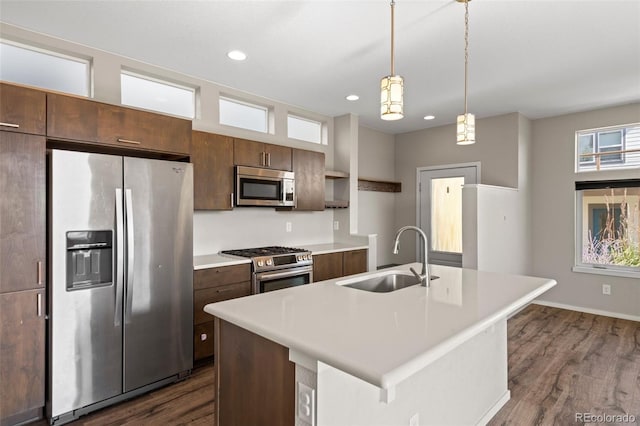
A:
x: 494, y: 410
x: 587, y: 310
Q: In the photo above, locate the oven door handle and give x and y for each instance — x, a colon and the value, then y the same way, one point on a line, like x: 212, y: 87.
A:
x: 267, y: 276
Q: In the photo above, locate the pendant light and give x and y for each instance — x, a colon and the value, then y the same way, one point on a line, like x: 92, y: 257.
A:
x: 391, y: 86
x: 466, y: 124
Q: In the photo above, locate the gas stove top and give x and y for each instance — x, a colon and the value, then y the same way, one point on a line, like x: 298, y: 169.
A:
x: 273, y: 257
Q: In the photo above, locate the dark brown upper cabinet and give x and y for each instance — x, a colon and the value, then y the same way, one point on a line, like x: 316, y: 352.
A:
x: 71, y: 118
x: 22, y: 109
x: 212, y: 158
x: 259, y: 154
x: 308, y: 167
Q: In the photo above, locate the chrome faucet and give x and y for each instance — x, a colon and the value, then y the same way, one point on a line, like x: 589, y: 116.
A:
x: 425, y: 274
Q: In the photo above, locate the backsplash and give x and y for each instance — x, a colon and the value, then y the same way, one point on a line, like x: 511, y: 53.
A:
x: 255, y: 226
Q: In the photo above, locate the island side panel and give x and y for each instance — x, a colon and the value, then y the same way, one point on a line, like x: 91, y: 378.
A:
x: 255, y: 381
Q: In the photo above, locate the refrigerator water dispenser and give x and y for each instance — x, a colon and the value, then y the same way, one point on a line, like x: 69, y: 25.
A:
x: 89, y: 259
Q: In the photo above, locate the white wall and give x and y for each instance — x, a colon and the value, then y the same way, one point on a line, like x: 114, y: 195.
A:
x: 496, y: 148
x: 553, y: 212
x: 494, y: 229
x: 376, y: 210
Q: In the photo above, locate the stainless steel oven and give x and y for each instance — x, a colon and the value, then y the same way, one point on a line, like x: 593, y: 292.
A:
x: 276, y: 267
x: 281, y: 278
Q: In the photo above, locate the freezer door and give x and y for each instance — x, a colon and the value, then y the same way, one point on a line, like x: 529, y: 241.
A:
x: 85, y: 192
x: 158, y: 336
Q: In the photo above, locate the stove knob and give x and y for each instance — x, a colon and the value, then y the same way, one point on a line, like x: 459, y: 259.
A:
x: 300, y: 258
x: 269, y: 262
x: 307, y: 257
x: 260, y: 263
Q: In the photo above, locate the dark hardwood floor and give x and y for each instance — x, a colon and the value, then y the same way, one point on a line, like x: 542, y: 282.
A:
x: 560, y: 363
x: 564, y: 362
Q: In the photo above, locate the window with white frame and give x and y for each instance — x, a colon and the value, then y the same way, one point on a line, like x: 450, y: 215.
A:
x: 608, y: 148
x: 153, y: 94
x: 244, y: 115
x: 304, y: 129
x: 608, y: 226
x: 46, y: 69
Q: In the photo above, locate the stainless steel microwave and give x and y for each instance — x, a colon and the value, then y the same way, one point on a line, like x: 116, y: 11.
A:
x: 264, y: 187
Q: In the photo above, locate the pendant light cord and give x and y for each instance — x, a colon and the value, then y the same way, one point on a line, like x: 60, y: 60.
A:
x: 393, y: 68
x: 466, y: 52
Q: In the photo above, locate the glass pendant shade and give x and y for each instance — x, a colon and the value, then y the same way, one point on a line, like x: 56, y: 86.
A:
x: 391, y: 94
x: 466, y: 129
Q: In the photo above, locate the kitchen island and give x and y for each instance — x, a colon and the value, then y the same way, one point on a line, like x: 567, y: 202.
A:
x: 328, y: 354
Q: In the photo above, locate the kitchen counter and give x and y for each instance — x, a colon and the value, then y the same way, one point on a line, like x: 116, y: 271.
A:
x: 405, y: 329
x: 332, y: 247
x: 215, y: 260
x: 442, y: 347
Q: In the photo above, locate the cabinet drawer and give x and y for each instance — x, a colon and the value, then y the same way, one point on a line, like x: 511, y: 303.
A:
x: 216, y: 294
x: 214, y: 277
x: 354, y: 262
x: 22, y: 109
x: 202, y: 340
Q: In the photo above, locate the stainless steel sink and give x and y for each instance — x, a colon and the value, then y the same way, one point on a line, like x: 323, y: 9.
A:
x: 384, y: 283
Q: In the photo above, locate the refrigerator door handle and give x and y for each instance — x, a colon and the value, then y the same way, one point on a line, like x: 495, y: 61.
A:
x: 117, y: 318
x: 130, y: 255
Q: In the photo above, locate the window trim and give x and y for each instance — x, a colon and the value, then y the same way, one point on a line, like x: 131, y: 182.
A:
x: 322, y: 139
x: 87, y: 60
x: 267, y: 111
x: 591, y: 268
x: 152, y: 78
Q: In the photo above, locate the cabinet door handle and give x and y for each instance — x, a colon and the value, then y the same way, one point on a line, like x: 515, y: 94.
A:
x: 231, y: 201
x: 223, y: 290
x: 39, y: 308
x: 264, y: 158
x: 129, y: 141
x: 39, y: 282
x: 268, y: 159
x: 15, y: 126
x: 203, y: 337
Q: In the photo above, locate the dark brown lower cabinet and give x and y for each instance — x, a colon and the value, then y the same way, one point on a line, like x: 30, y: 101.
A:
x: 328, y: 266
x: 255, y: 381
x: 22, y: 356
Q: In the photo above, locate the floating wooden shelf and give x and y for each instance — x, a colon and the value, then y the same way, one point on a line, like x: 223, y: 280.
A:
x: 334, y: 174
x: 336, y: 204
x: 378, y: 185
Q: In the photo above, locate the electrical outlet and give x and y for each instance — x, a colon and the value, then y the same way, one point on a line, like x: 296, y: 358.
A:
x: 336, y: 225
x: 288, y: 226
x: 414, y: 420
x: 606, y: 289
x: 306, y: 404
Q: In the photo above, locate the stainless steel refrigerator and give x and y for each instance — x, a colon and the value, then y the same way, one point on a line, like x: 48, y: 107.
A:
x: 121, y: 278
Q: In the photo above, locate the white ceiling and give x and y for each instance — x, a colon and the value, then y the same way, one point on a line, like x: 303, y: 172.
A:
x: 541, y: 58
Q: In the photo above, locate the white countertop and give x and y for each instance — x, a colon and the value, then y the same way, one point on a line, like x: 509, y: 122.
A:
x: 382, y: 338
x: 216, y: 260
x: 332, y: 247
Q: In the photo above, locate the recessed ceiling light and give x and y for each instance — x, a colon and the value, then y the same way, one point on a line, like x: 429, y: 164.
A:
x: 429, y: 117
x: 353, y: 97
x: 237, y: 55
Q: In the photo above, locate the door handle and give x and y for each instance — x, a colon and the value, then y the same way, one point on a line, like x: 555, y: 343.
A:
x: 231, y: 201
x: 130, y: 255
x: 39, y: 304
x: 268, y: 159
x: 15, y: 126
x: 264, y: 158
x: 39, y: 282
x: 117, y: 316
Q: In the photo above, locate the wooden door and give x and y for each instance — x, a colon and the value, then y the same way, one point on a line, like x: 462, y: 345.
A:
x: 212, y: 158
x: 248, y: 153
x: 308, y: 167
x: 354, y: 262
x: 327, y: 266
x: 22, y: 353
x: 22, y: 109
x: 71, y: 118
x: 22, y: 211
x: 278, y: 157
x: 143, y: 130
